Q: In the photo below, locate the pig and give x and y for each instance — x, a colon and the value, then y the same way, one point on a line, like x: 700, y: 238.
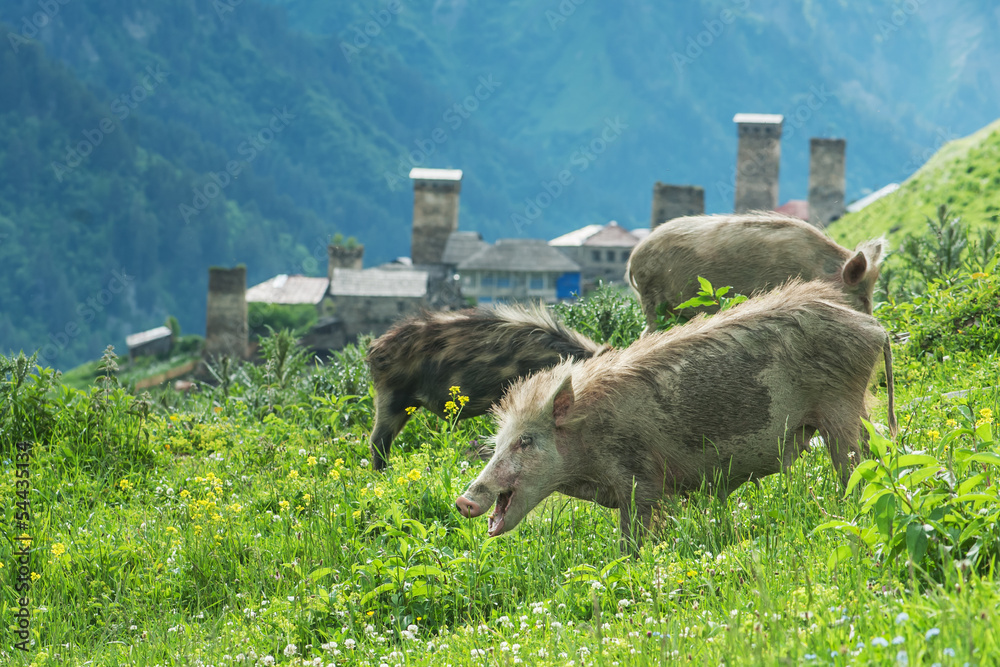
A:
x: 481, y: 351
x: 718, y: 401
x: 750, y: 252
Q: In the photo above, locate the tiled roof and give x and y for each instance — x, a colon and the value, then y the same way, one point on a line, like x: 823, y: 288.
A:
x: 285, y: 289
x: 797, y: 208
x: 611, y: 235
x: 379, y: 282
x: 461, y: 246
x: 519, y: 255
x: 143, y: 337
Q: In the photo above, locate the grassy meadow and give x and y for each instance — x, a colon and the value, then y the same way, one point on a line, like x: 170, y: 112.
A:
x: 242, y: 524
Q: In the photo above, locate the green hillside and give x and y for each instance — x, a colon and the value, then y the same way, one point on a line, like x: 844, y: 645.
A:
x: 964, y: 175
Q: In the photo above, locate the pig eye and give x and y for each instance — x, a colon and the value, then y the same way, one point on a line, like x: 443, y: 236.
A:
x: 526, y: 441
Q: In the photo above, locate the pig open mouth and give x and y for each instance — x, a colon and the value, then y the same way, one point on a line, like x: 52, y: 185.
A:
x: 496, y: 524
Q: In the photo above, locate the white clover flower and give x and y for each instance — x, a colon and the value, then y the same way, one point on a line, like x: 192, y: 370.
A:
x: 291, y: 650
x: 267, y: 660
x: 349, y: 644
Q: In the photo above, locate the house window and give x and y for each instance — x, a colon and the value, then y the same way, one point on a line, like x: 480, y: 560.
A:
x: 625, y: 254
x: 469, y: 280
x: 486, y: 280
x: 537, y: 281
x: 596, y: 254
x: 503, y: 282
x: 611, y: 255
x: 519, y: 279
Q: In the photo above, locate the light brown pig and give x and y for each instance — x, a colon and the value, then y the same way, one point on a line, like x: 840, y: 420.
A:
x: 751, y: 252
x: 718, y: 401
x: 480, y: 350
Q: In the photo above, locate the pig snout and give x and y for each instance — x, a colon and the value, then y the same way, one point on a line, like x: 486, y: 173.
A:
x: 468, y: 508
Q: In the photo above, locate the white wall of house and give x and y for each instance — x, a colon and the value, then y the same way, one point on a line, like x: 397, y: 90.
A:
x: 490, y: 286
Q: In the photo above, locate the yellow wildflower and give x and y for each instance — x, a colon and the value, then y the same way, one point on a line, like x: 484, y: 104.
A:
x: 371, y: 613
x: 171, y: 529
x: 454, y: 389
x: 951, y: 423
x: 933, y: 435
x: 306, y: 498
x: 335, y: 474
x: 356, y: 514
x: 450, y: 407
x: 401, y: 481
x: 125, y: 485
x: 978, y: 274
x: 284, y: 505
x: 986, y: 414
x: 338, y: 463
x: 58, y: 549
x: 299, y: 508
x: 35, y: 576
x: 197, y: 530
x: 379, y: 491
x: 293, y: 474
x: 236, y: 508
x: 691, y: 573
x: 410, y: 410
x: 414, y: 474
x: 185, y: 493
x: 311, y: 461
x: 216, y: 517
x: 174, y: 418
x: 462, y: 400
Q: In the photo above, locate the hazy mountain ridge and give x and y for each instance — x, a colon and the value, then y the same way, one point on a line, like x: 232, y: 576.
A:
x: 668, y: 77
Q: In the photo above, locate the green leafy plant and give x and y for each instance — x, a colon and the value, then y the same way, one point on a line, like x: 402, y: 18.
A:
x: 707, y: 296
x: 935, y: 507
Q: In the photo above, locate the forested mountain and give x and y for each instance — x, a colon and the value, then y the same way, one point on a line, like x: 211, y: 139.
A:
x: 119, y: 121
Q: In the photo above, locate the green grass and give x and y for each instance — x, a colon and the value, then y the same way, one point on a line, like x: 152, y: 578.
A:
x: 963, y: 174
x: 237, y: 524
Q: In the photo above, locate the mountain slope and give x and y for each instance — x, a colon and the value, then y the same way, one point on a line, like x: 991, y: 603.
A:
x: 964, y: 174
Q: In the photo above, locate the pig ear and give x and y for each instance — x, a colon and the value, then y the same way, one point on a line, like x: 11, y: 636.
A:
x: 875, y: 250
x: 562, y: 400
x: 855, y: 269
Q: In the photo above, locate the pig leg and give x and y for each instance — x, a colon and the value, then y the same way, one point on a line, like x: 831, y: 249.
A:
x: 630, y: 542
x: 842, y: 442
x: 390, y: 418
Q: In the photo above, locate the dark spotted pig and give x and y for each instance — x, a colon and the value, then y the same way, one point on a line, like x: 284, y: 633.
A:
x: 719, y: 401
x: 480, y: 350
x: 751, y: 252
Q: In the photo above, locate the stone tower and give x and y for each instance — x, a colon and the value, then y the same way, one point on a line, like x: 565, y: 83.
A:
x: 676, y: 201
x: 757, y: 161
x: 435, y: 212
x: 827, y: 180
x: 226, y: 331
x: 344, y: 257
